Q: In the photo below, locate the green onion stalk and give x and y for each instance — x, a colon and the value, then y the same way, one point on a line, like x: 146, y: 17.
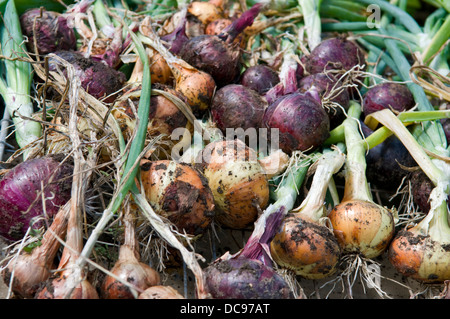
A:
x: 311, y: 16
x: 16, y: 77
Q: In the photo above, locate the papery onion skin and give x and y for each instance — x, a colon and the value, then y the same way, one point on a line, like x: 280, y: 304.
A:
x: 138, y: 274
x: 306, y: 247
x: 388, y: 95
x: 302, y: 122
x: 334, y: 54
x: 19, y: 189
x: 238, y: 183
x: 179, y: 192
x: 60, y: 288
x: 236, y: 106
x: 420, y: 257
x: 362, y: 227
x: 160, y: 292
x: 49, y: 30
x: 243, y: 278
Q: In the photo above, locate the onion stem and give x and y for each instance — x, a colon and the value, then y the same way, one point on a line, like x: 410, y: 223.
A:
x: 16, y: 77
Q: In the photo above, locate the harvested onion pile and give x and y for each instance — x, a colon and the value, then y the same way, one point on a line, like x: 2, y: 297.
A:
x: 225, y: 150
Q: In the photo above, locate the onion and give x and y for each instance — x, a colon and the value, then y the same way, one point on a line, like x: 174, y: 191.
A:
x: 395, y: 96
x: 219, y: 55
x: 180, y: 193
x: 47, y: 31
x: 334, y: 54
x: 197, y: 86
x: 164, y: 116
x: 303, y: 242
x: 160, y: 292
x: 237, y: 181
x: 128, y: 268
x: 98, y: 79
x: 334, y: 97
x: 360, y: 225
x: 206, y: 12
x: 236, y: 106
x: 260, y: 78
x: 422, y: 252
x: 29, y: 269
x: 32, y: 191
x: 302, y: 122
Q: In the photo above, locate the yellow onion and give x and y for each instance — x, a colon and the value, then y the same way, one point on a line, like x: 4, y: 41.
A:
x: 304, y: 243
x: 237, y: 180
x: 206, y: 12
x: 360, y: 225
x: 180, y: 193
x: 160, y: 292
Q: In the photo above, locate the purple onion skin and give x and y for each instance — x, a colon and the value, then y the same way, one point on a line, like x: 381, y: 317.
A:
x: 260, y: 78
x: 334, y: 54
x: 302, y: 122
x: 97, y: 78
x: 324, y: 84
x: 212, y: 55
x: 388, y: 95
x: 50, y: 32
x: 20, y: 187
x: 236, y: 106
x: 421, y: 187
x: 243, y: 278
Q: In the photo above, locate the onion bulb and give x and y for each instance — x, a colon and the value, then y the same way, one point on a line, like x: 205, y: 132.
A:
x: 303, y: 242
x: 29, y: 269
x: 21, y: 203
x: 206, y: 12
x: 360, y: 225
x: 237, y: 181
x: 180, y: 193
x: 129, y: 268
x: 160, y: 292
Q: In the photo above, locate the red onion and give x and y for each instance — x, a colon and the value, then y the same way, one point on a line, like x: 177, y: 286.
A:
x: 260, y: 78
x: 49, y: 30
x: 219, y: 55
x: 302, y: 122
x: 20, y: 194
x: 97, y: 78
x: 334, y: 54
x: 236, y: 106
x: 395, y: 96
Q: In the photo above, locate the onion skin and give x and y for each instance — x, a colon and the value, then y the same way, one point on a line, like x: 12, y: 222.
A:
x: 49, y: 30
x: 420, y: 257
x: 242, y: 278
x: 334, y: 54
x: 394, y: 96
x: 324, y: 85
x: 179, y: 192
x: 362, y: 227
x: 236, y: 106
x: 59, y: 288
x: 32, y: 268
x: 19, y: 189
x: 302, y: 122
x: 98, y: 79
x: 206, y: 12
x: 308, y: 248
x: 160, y: 292
x: 239, y: 184
x: 260, y: 78
x: 213, y: 56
